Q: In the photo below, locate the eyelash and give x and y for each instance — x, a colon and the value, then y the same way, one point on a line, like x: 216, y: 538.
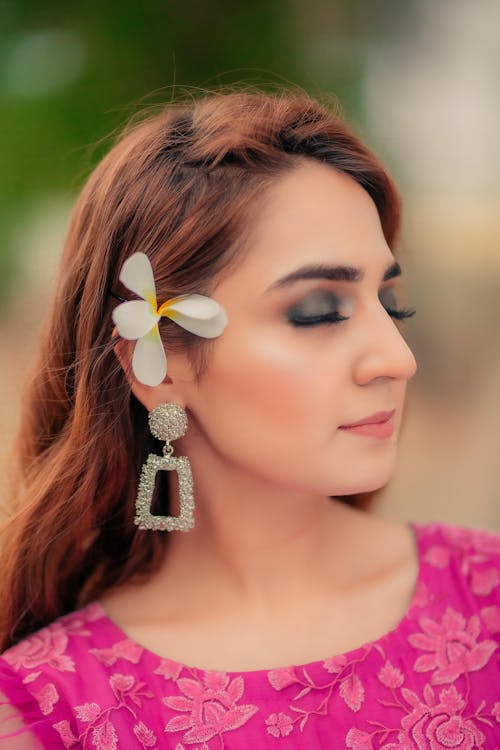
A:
x: 334, y: 317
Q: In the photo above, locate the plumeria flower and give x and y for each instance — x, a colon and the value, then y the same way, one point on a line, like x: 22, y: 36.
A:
x: 138, y: 319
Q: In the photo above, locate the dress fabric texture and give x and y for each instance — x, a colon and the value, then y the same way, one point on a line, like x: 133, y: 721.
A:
x: 431, y: 683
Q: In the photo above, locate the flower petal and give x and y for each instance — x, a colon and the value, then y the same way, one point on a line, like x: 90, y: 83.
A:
x: 137, y: 275
x: 196, y: 313
x: 134, y: 319
x: 193, y: 305
x: 149, y: 361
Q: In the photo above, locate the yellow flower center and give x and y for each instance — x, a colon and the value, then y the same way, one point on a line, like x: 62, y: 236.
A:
x: 163, y: 309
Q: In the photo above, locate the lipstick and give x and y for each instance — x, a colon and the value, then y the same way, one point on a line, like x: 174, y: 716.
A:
x: 379, y: 425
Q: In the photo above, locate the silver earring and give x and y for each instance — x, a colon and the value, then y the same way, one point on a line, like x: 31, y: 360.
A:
x: 168, y: 421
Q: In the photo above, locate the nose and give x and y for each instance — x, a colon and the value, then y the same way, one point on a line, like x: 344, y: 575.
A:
x: 383, y: 351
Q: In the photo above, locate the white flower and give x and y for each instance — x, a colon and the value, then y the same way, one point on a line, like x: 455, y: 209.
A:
x: 138, y: 319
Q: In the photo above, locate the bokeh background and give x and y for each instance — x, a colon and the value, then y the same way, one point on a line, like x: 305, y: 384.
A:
x: 418, y: 80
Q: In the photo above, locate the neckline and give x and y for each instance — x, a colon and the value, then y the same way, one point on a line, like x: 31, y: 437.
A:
x: 257, y: 674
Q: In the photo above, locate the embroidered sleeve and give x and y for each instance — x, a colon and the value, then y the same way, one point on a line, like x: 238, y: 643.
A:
x: 22, y: 723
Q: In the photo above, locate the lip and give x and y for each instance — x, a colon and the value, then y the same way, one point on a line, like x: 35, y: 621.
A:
x: 372, y: 429
x: 379, y: 416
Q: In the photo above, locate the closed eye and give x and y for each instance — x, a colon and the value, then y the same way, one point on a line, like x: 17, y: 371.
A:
x: 335, y: 317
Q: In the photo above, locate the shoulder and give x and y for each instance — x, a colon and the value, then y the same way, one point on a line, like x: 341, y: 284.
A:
x: 23, y: 723
x: 83, y: 638
x: 41, y: 675
x: 462, y: 564
x: 57, y: 646
x: 442, y: 540
x: 464, y: 537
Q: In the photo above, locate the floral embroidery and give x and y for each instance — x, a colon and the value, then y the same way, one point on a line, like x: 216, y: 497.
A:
x: 31, y: 677
x: 390, y: 676
x: 282, y: 678
x: 491, y: 616
x: 428, y: 724
x: 169, y: 669
x: 146, y: 736
x: 47, y: 646
x: 104, y: 736
x: 484, y: 581
x: 211, y: 705
x: 47, y: 697
x: 358, y: 739
x: 279, y: 725
x: 126, y: 688
x: 66, y: 733
x: 441, y: 724
x: 438, y: 556
x: 99, y: 727
x: 335, y: 664
x: 88, y: 712
x: 350, y: 689
x: 431, y: 684
x: 476, y: 545
x: 75, y: 623
x: 453, y: 644
x: 126, y: 649
x: 422, y: 597
x: 482, y: 540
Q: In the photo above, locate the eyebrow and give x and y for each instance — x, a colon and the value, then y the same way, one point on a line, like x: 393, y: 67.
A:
x: 331, y: 273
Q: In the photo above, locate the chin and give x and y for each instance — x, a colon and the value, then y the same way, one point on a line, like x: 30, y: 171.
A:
x: 368, y: 483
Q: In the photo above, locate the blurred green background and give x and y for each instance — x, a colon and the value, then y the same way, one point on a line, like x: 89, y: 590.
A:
x: 418, y: 81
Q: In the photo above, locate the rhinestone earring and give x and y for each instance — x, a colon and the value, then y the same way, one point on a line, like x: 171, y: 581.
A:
x: 167, y: 421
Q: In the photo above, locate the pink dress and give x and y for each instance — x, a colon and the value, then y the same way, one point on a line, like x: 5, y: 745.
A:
x: 431, y: 683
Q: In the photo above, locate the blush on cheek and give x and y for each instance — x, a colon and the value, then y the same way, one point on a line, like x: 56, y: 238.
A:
x: 266, y: 408
x: 277, y: 385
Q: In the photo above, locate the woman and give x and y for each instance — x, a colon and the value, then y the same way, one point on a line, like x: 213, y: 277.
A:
x: 230, y: 270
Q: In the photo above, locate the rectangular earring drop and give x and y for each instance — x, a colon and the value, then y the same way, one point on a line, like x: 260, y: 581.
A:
x: 167, y: 421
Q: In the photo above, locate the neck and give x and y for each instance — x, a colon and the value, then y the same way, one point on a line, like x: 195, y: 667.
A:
x: 255, y: 544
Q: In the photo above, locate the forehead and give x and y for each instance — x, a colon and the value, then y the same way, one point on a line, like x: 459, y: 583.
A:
x: 313, y: 214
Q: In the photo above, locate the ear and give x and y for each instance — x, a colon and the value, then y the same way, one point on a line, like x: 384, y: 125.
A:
x: 149, y: 396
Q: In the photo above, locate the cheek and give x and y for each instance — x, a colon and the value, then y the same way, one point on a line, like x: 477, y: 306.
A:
x: 274, y: 377
x: 255, y: 405
x: 278, y: 384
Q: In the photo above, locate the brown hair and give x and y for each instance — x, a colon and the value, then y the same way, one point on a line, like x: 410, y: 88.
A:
x: 178, y: 185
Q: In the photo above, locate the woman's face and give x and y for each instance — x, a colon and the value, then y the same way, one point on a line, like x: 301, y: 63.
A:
x: 275, y: 392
